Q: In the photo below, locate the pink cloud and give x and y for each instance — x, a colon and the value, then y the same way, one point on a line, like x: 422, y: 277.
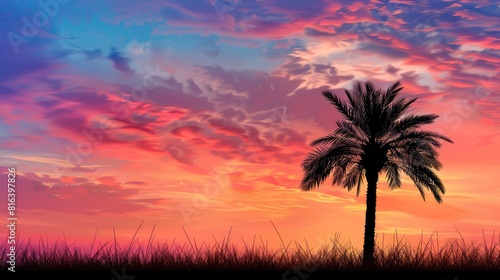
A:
x: 78, y: 195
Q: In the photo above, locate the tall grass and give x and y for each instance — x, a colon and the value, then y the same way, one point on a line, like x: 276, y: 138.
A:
x: 454, y: 254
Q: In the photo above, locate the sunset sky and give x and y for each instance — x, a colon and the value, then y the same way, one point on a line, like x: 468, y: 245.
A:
x: 197, y: 114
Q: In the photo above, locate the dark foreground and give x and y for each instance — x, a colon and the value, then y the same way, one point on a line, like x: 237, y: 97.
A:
x: 124, y: 274
x: 455, y: 260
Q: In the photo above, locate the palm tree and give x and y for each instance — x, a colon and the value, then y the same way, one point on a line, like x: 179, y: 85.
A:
x: 375, y: 135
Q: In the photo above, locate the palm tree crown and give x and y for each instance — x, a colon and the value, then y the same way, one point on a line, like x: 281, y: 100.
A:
x: 376, y: 135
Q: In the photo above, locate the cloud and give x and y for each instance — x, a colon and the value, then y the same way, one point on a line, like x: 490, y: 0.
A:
x: 237, y: 83
x: 79, y: 195
x: 119, y: 62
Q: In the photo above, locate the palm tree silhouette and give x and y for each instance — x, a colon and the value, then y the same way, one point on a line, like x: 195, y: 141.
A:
x: 376, y: 135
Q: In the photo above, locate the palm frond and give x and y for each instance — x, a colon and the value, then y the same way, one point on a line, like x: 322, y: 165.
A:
x: 398, y: 107
x: 413, y: 121
x: 320, y: 163
x: 422, y: 136
x: 345, y: 135
x: 354, y: 177
x: 424, y: 177
x: 393, y: 176
x: 339, y: 104
x: 349, y: 130
x: 391, y: 94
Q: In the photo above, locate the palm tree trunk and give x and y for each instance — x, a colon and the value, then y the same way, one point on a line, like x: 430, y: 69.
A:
x: 371, y: 203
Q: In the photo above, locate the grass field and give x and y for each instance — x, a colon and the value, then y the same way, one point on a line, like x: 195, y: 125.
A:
x: 229, y: 254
